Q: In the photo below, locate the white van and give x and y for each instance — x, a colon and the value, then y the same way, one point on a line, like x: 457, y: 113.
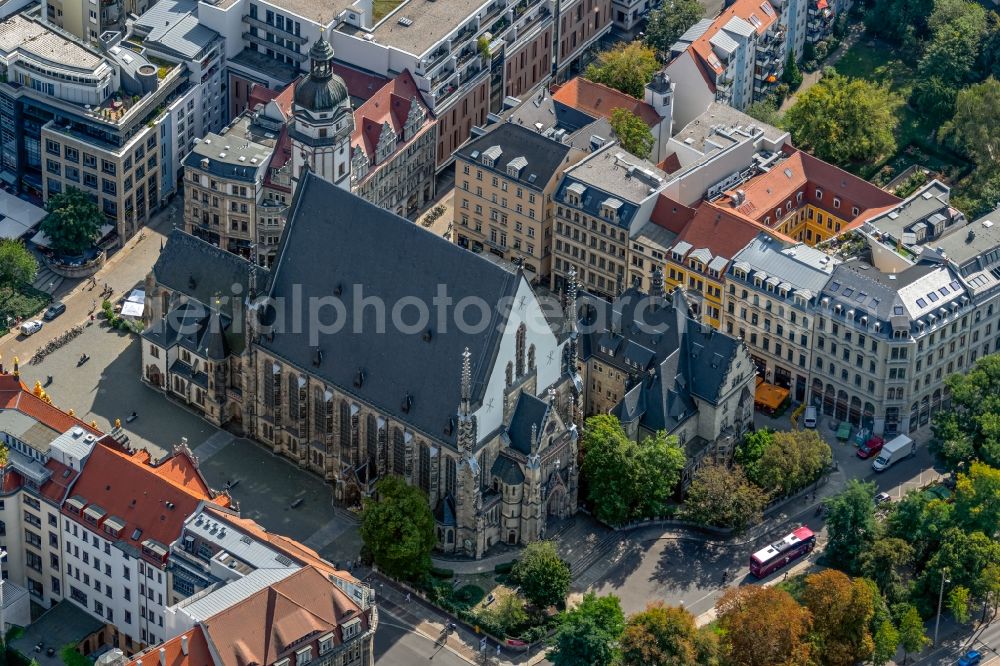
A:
x: 809, y: 417
x: 895, y: 450
x: 30, y: 327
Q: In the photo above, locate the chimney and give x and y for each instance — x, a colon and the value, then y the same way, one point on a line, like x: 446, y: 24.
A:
x: 184, y: 645
x: 163, y: 656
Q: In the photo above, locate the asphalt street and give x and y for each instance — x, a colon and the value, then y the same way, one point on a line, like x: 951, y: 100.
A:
x: 397, y: 644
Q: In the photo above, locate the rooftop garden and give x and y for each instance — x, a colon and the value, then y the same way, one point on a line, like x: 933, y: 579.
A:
x: 382, y: 8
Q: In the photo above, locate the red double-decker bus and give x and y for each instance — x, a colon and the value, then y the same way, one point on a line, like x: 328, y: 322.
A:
x: 778, y: 554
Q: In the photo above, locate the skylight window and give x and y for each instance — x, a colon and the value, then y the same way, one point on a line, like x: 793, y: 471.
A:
x: 848, y: 291
x: 943, y: 291
x: 897, y: 310
x: 933, y: 297
x: 834, y: 286
x: 954, y: 285
x: 921, y: 302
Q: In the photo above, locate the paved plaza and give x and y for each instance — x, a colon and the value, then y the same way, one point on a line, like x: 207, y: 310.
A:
x: 107, y: 387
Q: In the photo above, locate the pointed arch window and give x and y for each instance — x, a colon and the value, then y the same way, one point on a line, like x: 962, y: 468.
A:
x: 522, y: 332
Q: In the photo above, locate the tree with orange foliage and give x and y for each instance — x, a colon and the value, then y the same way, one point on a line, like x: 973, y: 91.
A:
x: 666, y: 636
x: 763, y: 626
x: 842, y: 611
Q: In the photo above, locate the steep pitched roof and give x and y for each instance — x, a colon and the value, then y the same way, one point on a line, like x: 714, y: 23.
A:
x: 598, y: 100
x: 801, y: 171
x: 187, y: 649
x: 671, y: 215
x: 721, y: 232
x: 336, y: 244
x: 391, y: 103
x: 529, y: 411
x: 758, y: 14
x: 152, y: 500
x: 261, y: 627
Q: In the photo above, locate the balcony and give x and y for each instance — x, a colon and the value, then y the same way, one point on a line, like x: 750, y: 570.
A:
x: 257, y: 23
x: 277, y: 48
x: 442, y: 77
x: 466, y: 55
x: 435, y: 58
x: 493, y: 10
x: 469, y: 74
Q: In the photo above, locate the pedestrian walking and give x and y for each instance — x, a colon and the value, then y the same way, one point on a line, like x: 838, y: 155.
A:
x: 407, y: 597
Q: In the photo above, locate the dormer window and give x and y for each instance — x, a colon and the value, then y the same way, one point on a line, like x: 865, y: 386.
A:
x: 836, y: 202
x: 325, y: 643
x: 798, y: 197
x: 491, y: 155
x: 303, y: 656
x: 819, y: 194
x: 515, y: 166
x: 777, y: 213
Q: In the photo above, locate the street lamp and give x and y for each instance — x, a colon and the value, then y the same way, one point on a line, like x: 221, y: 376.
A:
x: 937, y: 620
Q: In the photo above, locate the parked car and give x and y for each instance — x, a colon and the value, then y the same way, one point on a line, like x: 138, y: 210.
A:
x: 871, y: 447
x: 882, y: 498
x: 809, y: 417
x: 54, y: 311
x: 30, y: 327
x: 970, y: 658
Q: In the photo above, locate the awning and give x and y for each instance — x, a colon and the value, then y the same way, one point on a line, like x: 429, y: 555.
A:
x: 770, y: 396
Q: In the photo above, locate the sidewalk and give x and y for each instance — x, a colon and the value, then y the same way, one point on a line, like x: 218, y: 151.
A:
x: 432, y: 623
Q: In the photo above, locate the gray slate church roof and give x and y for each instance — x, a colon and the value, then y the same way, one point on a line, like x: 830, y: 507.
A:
x: 334, y: 243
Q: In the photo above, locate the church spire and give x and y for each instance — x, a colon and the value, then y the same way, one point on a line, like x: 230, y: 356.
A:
x: 570, y: 315
x: 466, y: 382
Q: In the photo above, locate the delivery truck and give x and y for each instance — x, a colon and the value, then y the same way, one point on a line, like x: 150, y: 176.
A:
x: 893, y: 451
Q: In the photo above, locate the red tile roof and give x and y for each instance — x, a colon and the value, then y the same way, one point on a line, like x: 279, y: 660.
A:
x: 198, y: 652
x: 264, y: 626
x: 670, y: 214
x: 801, y: 172
x: 260, y: 94
x: 362, y: 85
x: 599, y: 101
x: 722, y: 232
x: 153, y: 498
x: 744, y: 9
x: 391, y: 103
x: 15, y: 395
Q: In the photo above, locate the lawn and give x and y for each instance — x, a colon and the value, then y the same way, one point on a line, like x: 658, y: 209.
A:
x: 915, y: 137
x: 25, y: 302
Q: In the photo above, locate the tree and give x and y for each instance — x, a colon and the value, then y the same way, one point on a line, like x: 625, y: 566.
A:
x: 957, y: 30
x: 961, y: 558
x: 911, y: 631
x: 397, y: 527
x: 669, y: 22
x: 627, y: 480
x: 632, y: 131
x: 723, y: 497
x: 663, y: 635
x: 958, y: 603
x: 977, y: 110
x: 791, y: 461
x: 506, y: 612
x: 791, y: 74
x: 845, y: 120
x: 543, y: 576
x: 842, y: 610
x: 70, y: 656
x: 977, y: 499
x: 851, y: 526
x: 751, y: 450
x: 883, y: 562
x: 17, y: 264
x: 627, y: 67
x: 765, y: 111
x: 763, y: 626
x: 589, y: 633
x: 886, y: 641
x: 969, y: 428
x: 73, y: 222
x: 894, y: 20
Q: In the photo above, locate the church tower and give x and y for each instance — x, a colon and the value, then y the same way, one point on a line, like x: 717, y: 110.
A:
x: 322, y: 121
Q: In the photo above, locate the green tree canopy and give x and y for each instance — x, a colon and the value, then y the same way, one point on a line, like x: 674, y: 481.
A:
x: 543, y: 576
x: 884, y: 563
x: 763, y: 626
x: 397, y: 527
x: 850, y: 523
x: 895, y: 20
x: 589, y: 633
x: 666, y: 24
x: 969, y: 429
x: 911, y: 631
x: 972, y: 128
x: 957, y: 31
x: 791, y: 74
x: 886, y: 641
x: 73, y: 222
x: 506, y: 613
x: 765, y: 111
x: 627, y: 480
x: 842, y: 610
x: 665, y: 636
x: 791, y: 461
x: 17, y: 264
x: 632, y: 131
x: 723, y: 498
x: 977, y: 500
x: 627, y: 67
x: 961, y: 558
x: 845, y: 120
